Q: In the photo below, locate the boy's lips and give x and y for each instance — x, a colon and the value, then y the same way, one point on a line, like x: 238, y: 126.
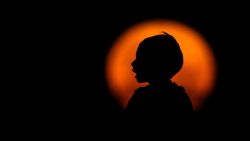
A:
x: 133, y: 70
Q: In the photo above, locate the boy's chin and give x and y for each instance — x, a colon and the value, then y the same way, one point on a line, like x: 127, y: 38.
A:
x: 140, y: 79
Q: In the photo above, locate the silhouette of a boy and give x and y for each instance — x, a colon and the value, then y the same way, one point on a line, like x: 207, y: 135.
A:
x: 158, y: 59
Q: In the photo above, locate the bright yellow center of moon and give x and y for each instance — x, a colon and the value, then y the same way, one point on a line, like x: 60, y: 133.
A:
x: 197, y: 75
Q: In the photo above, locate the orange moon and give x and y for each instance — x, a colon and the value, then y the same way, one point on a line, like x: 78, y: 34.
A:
x: 197, y: 75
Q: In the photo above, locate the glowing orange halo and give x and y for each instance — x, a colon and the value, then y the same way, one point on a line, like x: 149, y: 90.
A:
x: 197, y: 75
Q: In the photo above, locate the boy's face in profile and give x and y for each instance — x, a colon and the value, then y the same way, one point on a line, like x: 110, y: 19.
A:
x: 144, y: 65
x: 139, y: 67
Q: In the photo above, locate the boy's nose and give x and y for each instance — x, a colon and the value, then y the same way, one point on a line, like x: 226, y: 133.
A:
x: 133, y: 63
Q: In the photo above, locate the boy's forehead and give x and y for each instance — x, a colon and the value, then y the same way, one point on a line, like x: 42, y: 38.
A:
x: 142, y: 49
x: 145, y: 46
x: 146, y: 51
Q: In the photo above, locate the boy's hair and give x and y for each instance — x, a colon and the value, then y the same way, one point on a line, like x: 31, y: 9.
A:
x: 164, y: 52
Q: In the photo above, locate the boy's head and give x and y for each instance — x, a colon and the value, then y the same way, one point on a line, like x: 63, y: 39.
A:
x: 157, y: 57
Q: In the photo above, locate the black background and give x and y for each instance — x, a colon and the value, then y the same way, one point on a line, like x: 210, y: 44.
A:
x: 60, y: 50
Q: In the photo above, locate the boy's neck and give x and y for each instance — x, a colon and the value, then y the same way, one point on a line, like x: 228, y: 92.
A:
x: 161, y: 82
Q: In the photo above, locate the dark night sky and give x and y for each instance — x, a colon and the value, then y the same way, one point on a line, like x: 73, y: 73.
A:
x: 65, y: 50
